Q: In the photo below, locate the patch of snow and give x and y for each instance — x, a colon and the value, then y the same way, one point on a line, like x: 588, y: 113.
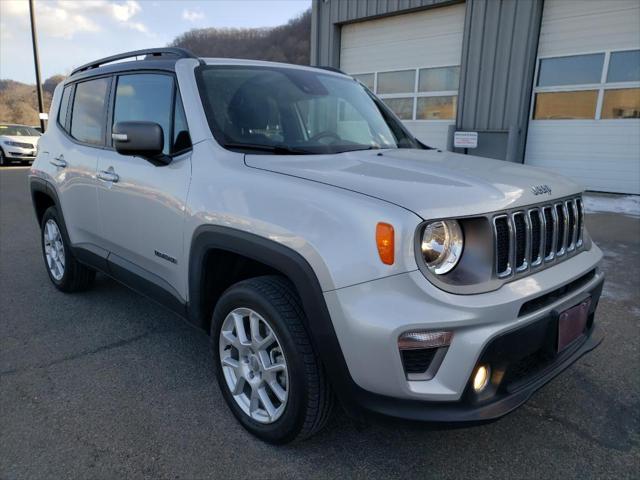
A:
x: 626, y: 205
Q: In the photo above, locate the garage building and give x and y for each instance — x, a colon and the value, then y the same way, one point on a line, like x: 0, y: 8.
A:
x: 551, y: 83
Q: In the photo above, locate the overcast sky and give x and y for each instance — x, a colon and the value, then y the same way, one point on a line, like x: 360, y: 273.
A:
x: 73, y: 32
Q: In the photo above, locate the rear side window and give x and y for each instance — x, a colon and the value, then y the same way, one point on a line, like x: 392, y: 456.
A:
x: 64, y: 107
x: 88, y: 117
x: 146, y: 98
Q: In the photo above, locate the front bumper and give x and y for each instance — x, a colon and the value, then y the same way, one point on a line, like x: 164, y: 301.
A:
x: 369, y: 318
x: 19, y: 153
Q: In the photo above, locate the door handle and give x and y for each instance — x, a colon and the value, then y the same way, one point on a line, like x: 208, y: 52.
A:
x: 108, y: 175
x: 58, y: 161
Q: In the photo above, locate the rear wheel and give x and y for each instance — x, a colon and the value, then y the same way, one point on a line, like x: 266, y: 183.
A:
x: 268, y: 372
x: 65, y: 272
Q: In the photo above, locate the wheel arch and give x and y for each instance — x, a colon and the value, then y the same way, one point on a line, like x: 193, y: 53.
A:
x: 278, y: 259
x: 42, y: 197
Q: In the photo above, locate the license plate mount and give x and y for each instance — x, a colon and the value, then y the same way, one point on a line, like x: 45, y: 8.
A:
x: 572, y: 323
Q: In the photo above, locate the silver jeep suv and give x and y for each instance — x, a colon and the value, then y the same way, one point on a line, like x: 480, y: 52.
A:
x: 330, y: 254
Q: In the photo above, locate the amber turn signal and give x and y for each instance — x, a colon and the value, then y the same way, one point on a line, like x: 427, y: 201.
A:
x: 385, y: 242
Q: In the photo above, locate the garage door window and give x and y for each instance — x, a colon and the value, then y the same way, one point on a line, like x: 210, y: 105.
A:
x: 368, y: 79
x: 418, y: 94
x: 397, y: 82
x: 596, y: 86
x: 621, y: 103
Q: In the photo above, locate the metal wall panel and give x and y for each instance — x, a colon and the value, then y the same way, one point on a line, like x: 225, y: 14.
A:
x: 498, y: 61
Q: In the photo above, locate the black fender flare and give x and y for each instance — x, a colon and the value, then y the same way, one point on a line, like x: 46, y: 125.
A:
x: 294, y: 266
x: 39, y: 185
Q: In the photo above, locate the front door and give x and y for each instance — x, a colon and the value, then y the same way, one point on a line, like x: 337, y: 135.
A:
x: 141, y: 203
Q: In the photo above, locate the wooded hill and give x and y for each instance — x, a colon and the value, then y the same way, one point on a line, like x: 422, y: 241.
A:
x: 287, y: 43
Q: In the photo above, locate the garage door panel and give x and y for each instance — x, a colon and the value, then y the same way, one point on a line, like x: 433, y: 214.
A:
x: 570, y: 26
x: 426, y: 39
x: 400, y: 55
x: 603, y: 154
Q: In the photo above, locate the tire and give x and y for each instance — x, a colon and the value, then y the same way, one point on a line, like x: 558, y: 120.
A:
x: 3, y: 159
x: 309, y: 399
x: 65, y: 272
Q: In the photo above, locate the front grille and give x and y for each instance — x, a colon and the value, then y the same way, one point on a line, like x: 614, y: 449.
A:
x: 531, y: 237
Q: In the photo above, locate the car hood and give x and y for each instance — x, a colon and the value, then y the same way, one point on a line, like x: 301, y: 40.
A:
x: 430, y: 183
x: 21, y: 139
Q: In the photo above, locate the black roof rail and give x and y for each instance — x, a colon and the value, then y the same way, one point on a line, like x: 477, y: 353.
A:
x: 148, y: 52
x: 330, y: 69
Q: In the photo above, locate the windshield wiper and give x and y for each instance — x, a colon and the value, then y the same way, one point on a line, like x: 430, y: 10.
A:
x: 277, y: 149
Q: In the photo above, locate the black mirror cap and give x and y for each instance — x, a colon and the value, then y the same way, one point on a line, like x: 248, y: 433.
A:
x: 145, y: 139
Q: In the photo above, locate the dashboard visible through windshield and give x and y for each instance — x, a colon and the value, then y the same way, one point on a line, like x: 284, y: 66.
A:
x: 295, y: 111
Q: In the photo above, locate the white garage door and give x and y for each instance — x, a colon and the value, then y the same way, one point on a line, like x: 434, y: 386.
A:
x: 585, y: 115
x: 412, y: 61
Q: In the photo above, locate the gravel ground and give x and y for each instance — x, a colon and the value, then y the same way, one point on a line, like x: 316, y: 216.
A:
x: 106, y: 384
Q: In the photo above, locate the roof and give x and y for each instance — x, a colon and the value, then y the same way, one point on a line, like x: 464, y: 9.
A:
x: 166, y: 59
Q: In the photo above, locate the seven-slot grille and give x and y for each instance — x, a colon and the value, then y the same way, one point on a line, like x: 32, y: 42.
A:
x: 530, y: 237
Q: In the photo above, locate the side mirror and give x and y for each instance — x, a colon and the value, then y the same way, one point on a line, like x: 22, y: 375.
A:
x: 144, y: 139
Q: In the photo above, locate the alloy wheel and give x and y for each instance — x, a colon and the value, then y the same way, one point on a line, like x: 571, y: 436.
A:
x: 254, y: 365
x: 54, y: 249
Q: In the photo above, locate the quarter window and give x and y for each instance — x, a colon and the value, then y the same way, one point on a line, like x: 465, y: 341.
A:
x: 89, y: 108
x: 181, y: 138
x: 64, y: 106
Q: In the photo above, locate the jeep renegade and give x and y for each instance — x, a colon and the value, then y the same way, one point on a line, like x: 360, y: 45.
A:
x: 328, y: 252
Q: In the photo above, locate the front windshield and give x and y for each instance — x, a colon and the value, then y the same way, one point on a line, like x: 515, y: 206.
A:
x: 289, y: 110
x: 18, y: 131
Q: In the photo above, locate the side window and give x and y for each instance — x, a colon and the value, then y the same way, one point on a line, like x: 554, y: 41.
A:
x: 181, y: 138
x: 146, y: 98
x: 64, y: 107
x: 88, y: 116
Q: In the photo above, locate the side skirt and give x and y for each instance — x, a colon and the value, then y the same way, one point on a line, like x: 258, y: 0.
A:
x: 131, y: 276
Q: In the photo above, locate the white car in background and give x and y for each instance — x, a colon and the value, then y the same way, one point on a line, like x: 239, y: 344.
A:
x: 18, y: 143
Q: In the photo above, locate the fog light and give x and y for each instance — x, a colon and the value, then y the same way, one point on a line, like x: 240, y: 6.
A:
x: 481, y: 378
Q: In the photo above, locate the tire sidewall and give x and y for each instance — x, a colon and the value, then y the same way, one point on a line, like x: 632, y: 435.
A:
x: 52, y: 214
x: 290, y: 423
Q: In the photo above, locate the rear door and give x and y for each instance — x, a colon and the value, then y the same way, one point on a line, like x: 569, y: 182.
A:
x: 141, y: 203
x: 73, y: 156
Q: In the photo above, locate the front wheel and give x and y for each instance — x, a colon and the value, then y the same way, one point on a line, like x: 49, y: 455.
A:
x: 267, y: 369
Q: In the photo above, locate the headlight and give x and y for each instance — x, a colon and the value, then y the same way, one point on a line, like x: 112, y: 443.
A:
x: 441, y: 246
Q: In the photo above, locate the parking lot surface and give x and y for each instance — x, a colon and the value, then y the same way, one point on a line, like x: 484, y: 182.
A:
x: 106, y: 384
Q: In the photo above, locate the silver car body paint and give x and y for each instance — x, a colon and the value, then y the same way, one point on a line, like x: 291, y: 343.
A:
x: 325, y: 207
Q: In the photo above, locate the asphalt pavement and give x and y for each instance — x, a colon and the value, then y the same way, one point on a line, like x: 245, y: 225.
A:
x: 106, y: 384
